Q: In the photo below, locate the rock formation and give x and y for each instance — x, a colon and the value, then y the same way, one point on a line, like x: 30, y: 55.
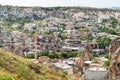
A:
x: 86, y: 56
x: 19, y: 49
x: 114, y: 54
x: 113, y: 47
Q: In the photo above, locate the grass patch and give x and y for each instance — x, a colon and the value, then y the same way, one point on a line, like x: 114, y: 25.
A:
x: 17, y: 68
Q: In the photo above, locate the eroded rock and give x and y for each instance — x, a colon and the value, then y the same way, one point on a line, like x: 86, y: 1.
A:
x: 114, y: 55
x: 86, y: 56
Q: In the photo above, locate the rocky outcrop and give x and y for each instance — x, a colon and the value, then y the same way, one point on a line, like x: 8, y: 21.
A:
x: 114, y: 53
x: 19, y: 49
x: 86, y: 56
x: 113, y: 47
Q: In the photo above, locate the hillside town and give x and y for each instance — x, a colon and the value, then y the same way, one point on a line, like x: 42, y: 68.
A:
x: 80, y: 42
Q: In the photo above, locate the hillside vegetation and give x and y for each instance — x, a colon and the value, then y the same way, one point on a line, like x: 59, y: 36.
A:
x: 17, y: 68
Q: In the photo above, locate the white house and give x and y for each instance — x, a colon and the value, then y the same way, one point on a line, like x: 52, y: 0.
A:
x: 64, y: 66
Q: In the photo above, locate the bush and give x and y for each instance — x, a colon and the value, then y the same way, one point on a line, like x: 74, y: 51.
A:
x: 45, y: 53
x: 64, y: 54
x: 5, y: 78
x: 63, y: 37
x: 107, y: 30
x: 95, y: 61
x: 52, y: 55
x: 73, y: 54
x: 107, y: 55
x: 23, y: 73
x: 30, y: 56
x: 64, y: 72
x: 60, y: 57
x: 95, y: 54
x: 103, y: 42
x: 106, y: 63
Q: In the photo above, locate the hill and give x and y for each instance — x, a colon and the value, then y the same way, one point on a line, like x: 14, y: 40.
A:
x: 115, y: 8
x: 64, y: 23
x: 17, y: 68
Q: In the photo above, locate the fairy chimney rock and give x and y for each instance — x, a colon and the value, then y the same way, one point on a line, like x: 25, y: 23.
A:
x: 88, y: 53
x: 114, y: 54
x: 113, y: 47
x: 85, y: 56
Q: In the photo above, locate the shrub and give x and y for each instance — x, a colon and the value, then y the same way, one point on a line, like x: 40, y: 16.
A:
x: 106, y: 63
x: 73, y: 54
x: 5, y: 78
x: 64, y: 72
x: 30, y: 56
x: 45, y: 53
x: 52, y: 55
x: 64, y: 54
x: 95, y: 61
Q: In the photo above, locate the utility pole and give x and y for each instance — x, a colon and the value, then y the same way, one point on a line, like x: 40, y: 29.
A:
x: 35, y: 44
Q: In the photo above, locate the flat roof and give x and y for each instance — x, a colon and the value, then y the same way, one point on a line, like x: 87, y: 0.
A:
x: 88, y: 62
x: 62, y: 65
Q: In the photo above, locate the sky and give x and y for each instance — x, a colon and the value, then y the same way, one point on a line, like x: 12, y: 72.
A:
x: 53, y: 3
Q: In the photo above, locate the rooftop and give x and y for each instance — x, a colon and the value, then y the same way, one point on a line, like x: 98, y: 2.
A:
x: 62, y: 65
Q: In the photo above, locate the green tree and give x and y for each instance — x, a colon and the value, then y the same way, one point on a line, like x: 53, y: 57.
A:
x: 106, y: 63
x: 63, y: 37
x: 45, y: 53
x: 30, y: 56
x: 64, y: 54
x: 52, y: 55
x: 103, y: 42
x: 73, y: 54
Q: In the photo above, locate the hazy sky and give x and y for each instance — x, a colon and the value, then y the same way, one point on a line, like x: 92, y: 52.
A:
x: 49, y: 3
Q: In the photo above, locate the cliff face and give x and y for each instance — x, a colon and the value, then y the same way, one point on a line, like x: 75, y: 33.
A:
x: 114, y: 68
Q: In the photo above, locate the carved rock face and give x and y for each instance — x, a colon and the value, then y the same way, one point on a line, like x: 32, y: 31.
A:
x: 114, y: 54
x: 18, y: 49
x: 86, y: 56
x: 113, y: 47
x: 88, y: 53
